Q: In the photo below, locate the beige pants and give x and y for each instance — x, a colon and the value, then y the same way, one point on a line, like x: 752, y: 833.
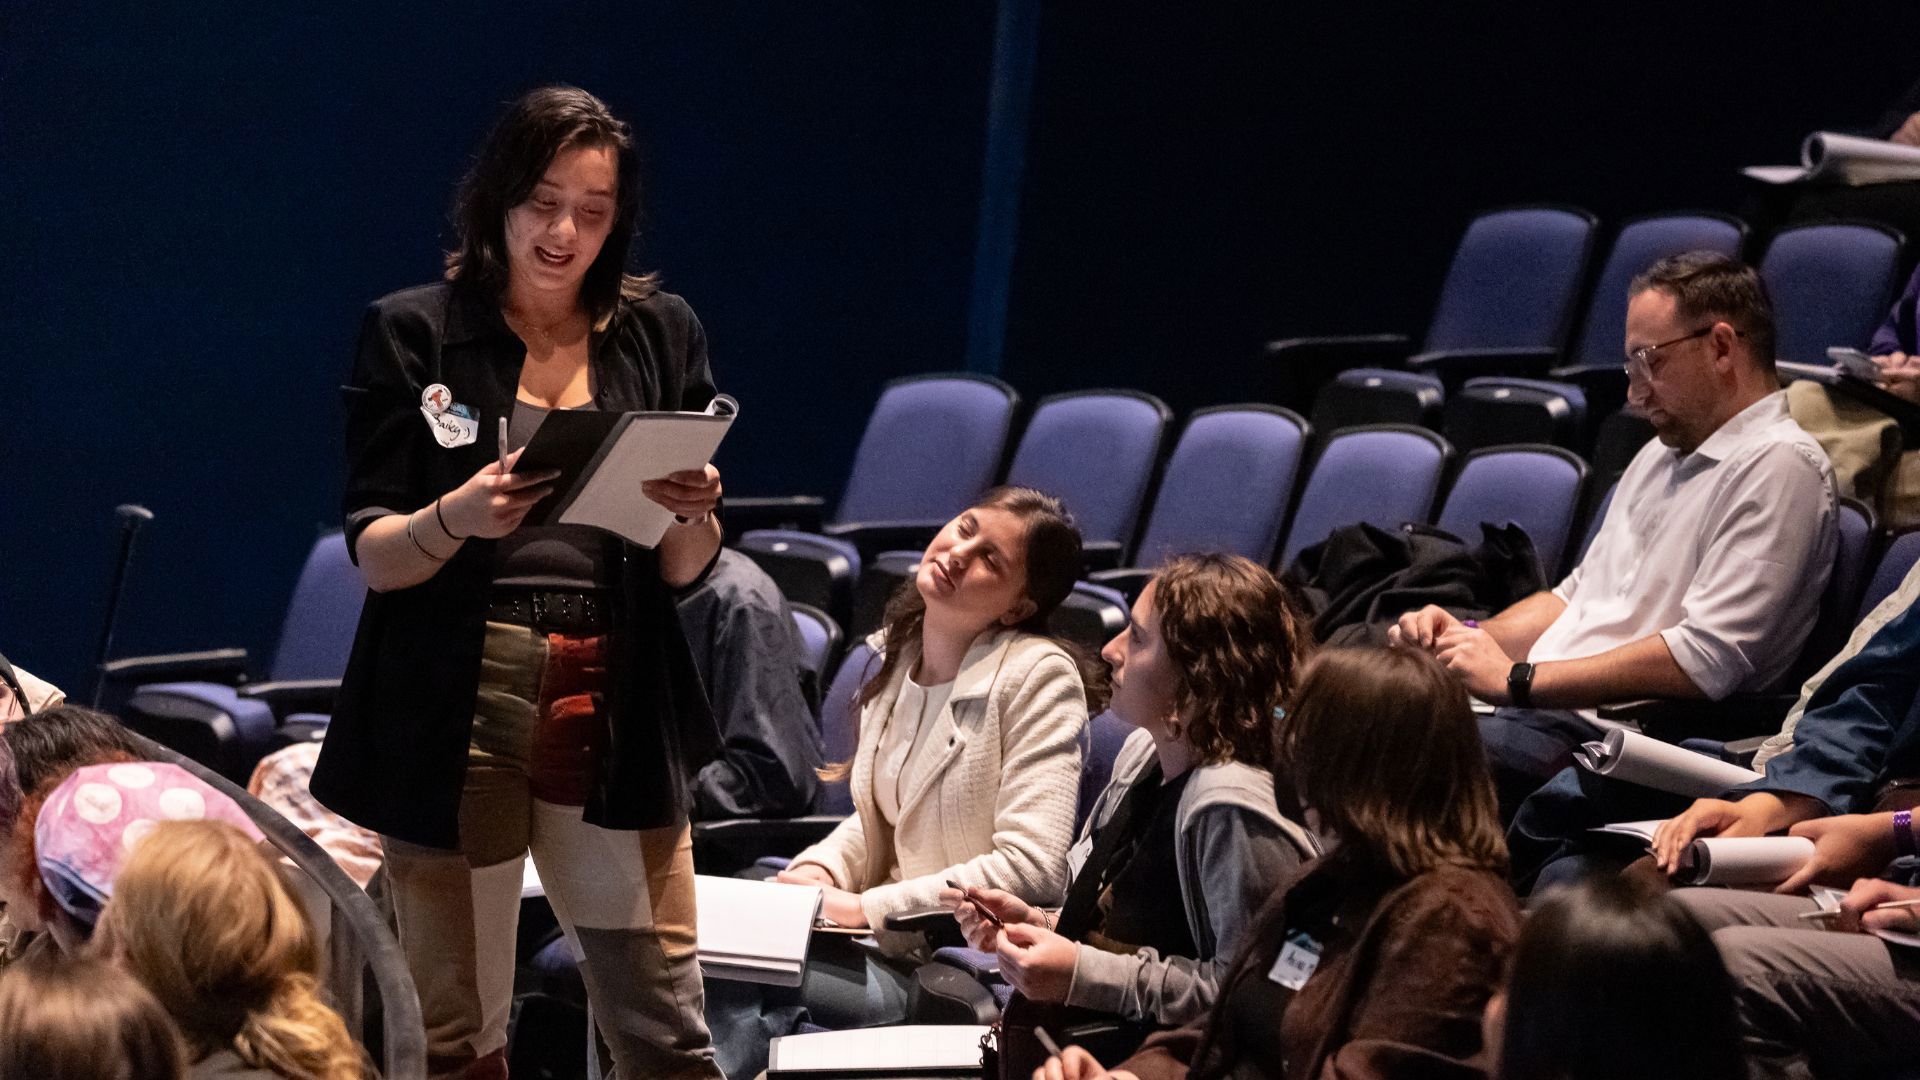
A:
x: 625, y: 899
x: 1812, y: 1002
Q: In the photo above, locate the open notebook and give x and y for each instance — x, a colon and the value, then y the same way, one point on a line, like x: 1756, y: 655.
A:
x: 750, y: 931
x: 915, y: 1050
x: 603, y: 457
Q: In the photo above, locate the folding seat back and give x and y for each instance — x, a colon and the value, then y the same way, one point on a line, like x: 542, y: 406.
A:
x: 1895, y: 564
x: 810, y: 569
x: 819, y: 639
x: 1106, y: 734
x: 1615, y: 442
x: 1360, y: 396
x: 1840, y: 602
x: 1594, y: 520
x: 1095, y: 450
x: 1501, y: 411
x: 1535, y: 487
x: 840, y: 723
x: 933, y: 443
x: 1227, y: 485
x: 322, y: 616
x: 1830, y: 285
x: 1090, y: 616
x: 1641, y: 243
x: 1514, y: 280
x: 1385, y: 474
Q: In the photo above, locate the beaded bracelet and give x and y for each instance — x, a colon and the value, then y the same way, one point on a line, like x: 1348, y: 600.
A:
x: 1903, y: 832
x: 420, y: 547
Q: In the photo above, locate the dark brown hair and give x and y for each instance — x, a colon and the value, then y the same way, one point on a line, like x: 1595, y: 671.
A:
x: 513, y: 159
x: 1609, y: 956
x: 1381, y: 744
x: 68, y: 1018
x: 1237, y: 641
x: 1709, y: 285
x: 1053, y: 559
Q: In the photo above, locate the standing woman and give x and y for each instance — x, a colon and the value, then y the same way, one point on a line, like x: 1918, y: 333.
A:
x: 527, y: 688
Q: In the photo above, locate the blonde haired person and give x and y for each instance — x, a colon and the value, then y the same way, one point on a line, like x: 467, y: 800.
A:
x: 202, y: 918
x: 83, y: 1020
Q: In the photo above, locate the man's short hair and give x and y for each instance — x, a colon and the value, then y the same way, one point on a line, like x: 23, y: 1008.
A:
x: 1707, y: 284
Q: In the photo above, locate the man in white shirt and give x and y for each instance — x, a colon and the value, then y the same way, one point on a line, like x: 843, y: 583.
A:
x: 1706, y: 576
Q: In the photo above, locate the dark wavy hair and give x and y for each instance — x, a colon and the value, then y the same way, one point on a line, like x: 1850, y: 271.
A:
x: 1238, y: 642
x: 1054, y: 561
x: 1381, y: 744
x: 1606, y: 958
x: 512, y: 160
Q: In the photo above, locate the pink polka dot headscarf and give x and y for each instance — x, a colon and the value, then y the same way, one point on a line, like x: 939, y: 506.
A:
x: 101, y: 812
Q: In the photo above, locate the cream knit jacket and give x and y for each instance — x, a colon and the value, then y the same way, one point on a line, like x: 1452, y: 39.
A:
x: 996, y: 809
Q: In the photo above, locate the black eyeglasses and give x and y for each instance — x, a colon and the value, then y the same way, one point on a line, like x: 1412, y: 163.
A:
x: 1640, y: 361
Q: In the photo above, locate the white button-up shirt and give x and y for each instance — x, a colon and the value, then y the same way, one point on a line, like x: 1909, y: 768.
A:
x: 1723, y: 552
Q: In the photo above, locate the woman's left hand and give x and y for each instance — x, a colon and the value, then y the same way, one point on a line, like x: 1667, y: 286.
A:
x: 842, y: 907
x: 1036, y: 961
x: 691, y: 493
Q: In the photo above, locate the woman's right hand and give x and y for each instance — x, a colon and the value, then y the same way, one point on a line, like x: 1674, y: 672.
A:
x: 493, y: 502
x: 981, y: 934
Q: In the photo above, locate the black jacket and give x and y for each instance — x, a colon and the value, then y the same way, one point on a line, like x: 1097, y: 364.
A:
x: 396, y: 753
x: 1359, y: 580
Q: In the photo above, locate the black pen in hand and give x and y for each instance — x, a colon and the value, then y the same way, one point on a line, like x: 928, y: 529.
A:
x: 978, y: 905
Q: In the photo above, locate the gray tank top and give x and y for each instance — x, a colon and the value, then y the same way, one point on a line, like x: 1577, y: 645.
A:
x: 567, y: 558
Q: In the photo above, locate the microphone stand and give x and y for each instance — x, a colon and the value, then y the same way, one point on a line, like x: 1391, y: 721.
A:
x: 132, y: 516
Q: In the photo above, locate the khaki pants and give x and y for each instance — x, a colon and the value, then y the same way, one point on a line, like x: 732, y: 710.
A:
x: 625, y: 899
x: 1812, y: 1002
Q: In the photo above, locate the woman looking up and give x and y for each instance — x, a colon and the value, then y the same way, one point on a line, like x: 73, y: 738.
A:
x: 966, y: 768
x: 527, y: 688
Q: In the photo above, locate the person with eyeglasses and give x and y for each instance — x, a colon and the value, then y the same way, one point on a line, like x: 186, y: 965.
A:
x: 1706, y: 575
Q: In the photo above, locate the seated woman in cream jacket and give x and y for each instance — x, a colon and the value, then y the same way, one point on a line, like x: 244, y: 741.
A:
x: 967, y: 766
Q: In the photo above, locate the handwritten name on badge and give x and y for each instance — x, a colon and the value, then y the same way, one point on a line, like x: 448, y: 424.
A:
x: 452, y: 424
x: 1295, y: 964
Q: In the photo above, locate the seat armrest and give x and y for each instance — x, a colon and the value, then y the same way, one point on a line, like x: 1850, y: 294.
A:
x: 1739, y: 716
x: 767, y: 836
x: 802, y: 512
x: 937, y: 925
x: 1455, y: 366
x: 226, y: 666
x: 1131, y: 581
x: 288, y: 696
x: 1101, y: 555
x: 1742, y: 751
x: 1300, y: 366
x: 874, y: 537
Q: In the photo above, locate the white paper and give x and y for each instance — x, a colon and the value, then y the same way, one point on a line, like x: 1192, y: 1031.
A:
x: 927, y: 1047
x: 1648, y: 762
x: 1745, y: 860
x: 756, y: 931
x: 1845, y: 159
x: 648, y: 447
x: 1639, y: 830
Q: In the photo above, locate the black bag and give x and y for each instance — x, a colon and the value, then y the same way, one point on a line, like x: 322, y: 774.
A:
x: 1011, y: 1051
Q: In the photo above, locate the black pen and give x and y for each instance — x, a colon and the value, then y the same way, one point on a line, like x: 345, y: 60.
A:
x: 977, y: 905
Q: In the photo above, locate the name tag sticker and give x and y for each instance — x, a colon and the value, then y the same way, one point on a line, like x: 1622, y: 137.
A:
x: 450, y: 429
x: 1295, y: 964
x: 452, y: 424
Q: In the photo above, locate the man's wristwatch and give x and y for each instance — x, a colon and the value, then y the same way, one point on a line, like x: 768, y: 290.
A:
x: 1520, y: 685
